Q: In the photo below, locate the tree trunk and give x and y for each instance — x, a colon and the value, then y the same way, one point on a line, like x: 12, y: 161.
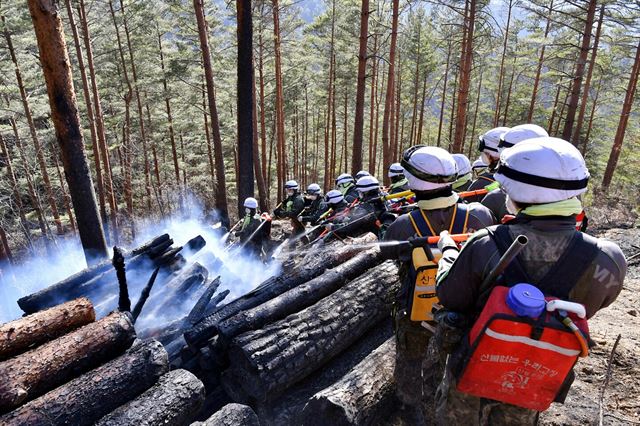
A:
x: 102, y: 140
x: 65, y: 195
x: 358, y: 127
x: 31, y: 374
x: 221, y: 184
x: 510, y: 90
x: 261, y: 369
x: 92, y: 124
x: 263, y: 126
x: 496, y: 116
x: 64, y: 111
x: 536, y: 80
x: 372, y: 105
x: 86, y: 399
x: 416, y: 90
x: 475, y: 113
x: 312, y: 267
x: 257, y: 167
x: 232, y: 415
x: 554, y: 107
x: 299, y: 297
x: 585, y: 142
x: 279, y: 106
x: 245, y: 102
x: 418, y: 140
x: 31, y: 331
x: 622, y: 124
x: 32, y: 128
x: 174, y: 400
x: 330, y: 95
x: 579, y: 72
x: 587, y: 84
x: 465, y: 80
x: 444, y: 92
x: 388, y: 118
x: 361, y: 397
x: 212, y: 167
x: 395, y: 140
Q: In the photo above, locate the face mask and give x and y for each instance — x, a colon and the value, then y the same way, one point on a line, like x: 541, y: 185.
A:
x: 290, y: 192
x: 511, y: 208
x: 247, y: 210
x: 313, y: 196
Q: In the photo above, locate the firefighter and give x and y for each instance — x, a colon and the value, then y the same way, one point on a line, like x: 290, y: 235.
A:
x: 251, y: 222
x: 464, y: 173
x: 292, y: 206
x: 490, y: 155
x: 430, y: 172
x: 346, y: 184
x: 360, y: 174
x: 399, y: 182
x: 495, y: 200
x: 542, y: 178
x: 313, y: 203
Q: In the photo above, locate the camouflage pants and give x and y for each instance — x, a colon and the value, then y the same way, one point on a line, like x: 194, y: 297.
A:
x: 457, y: 408
x: 418, y: 369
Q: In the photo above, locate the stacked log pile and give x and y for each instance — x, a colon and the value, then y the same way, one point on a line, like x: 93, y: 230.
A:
x: 60, y: 366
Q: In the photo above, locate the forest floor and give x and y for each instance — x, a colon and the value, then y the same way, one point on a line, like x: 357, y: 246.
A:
x: 620, y: 403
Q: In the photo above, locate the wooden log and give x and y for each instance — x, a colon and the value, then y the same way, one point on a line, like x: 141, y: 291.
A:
x: 286, y: 409
x: 314, y: 265
x: 35, y: 372
x: 360, y: 397
x: 174, y: 400
x: 28, y: 332
x: 232, y: 415
x: 200, y: 306
x: 299, y: 297
x: 265, y: 362
x: 86, y: 399
x: 72, y: 287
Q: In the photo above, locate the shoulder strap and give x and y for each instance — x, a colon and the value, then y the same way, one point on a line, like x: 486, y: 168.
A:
x: 459, y: 219
x: 487, y: 178
x: 420, y: 223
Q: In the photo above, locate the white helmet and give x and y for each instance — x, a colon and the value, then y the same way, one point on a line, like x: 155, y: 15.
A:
x: 395, y: 170
x: 334, y: 197
x: 313, y: 189
x: 360, y: 174
x: 291, y: 184
x: 463, y: 163
x: 344, y: 178
x: 521, y: 133
x: 428, y: 168
x: 489, y: 141
x: 478, y: 164
x: 251, y: 203
x: 542, y: 170
x: 367, y: 183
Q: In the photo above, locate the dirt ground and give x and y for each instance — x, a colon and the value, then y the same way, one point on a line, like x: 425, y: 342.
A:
x: 621, y: 402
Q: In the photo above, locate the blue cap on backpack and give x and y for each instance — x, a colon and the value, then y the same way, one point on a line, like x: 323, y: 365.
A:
x: 526, y: 300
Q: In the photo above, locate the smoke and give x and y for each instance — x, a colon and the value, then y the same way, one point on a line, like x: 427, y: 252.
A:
x: 239, y: 272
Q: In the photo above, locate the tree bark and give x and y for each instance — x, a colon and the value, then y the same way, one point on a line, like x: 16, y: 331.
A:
x: 372, y: 105
x: 232, y: 415
x: 279, y: 104
x: 585, y: 142
x: 263, y: 198
x: 475, y: 113
x: 579, y: 72
x: 587, y: 83
x: 388, y: 116
x: 310, y: 268
x: 418, y: 140
x: 299, y: 297
x: 102, y: 139
x: 263, y: 126
x: 465, y: 80
x: 444, y: 92
x: 221, y: 184
x: 174, y: 400
x: 362, y: 396
x: 86, y: 399
x: 31, y: 331
x: 358, y: 127
x: 330, y: 95
x: 262, y: 368
x: 31, y: 374
x: 32, y: 128
x: 536, y: 80
x: 622, y: 124
x: 510, y: 90
x: 245, y: 101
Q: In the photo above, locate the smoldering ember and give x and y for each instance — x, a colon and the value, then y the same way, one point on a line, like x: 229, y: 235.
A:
x: 319, y: 212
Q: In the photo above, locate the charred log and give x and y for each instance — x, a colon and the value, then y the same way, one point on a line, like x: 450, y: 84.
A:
x: 232, y: 415
x: 22, y: 334
x: 199, y: 309
x: 174, y: 400
x: 312, y: 267
x: 266, y: 362
x: 360, y: 397
x: 144, y: 295
x: 299, y: 297
x: 33, y: 373
x: 84, y: 400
